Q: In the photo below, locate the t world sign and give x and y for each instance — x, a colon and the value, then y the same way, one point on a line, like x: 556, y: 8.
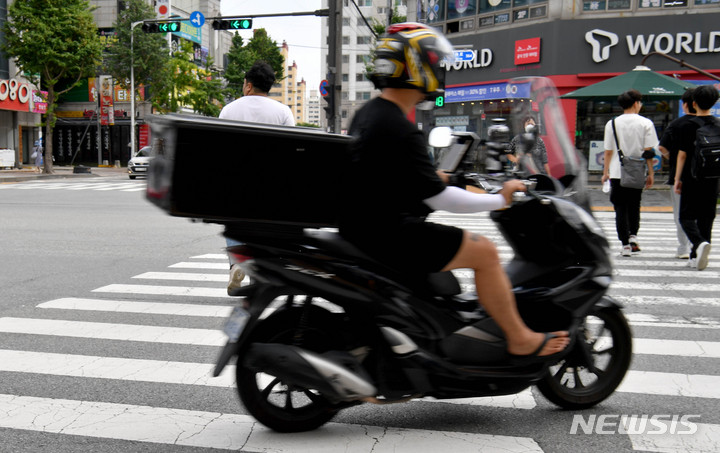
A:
x: 471, y: 59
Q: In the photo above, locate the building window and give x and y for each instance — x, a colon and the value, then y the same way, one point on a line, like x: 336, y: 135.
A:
x: 362, y: 95
x: 606, y: 5
x: 362, y: 59
x: 346, y: 21
x: 346, y: 58
x: 364, y: 2
x: 346, y: 40
x: 345, y: 77
x: 360, y: 77
x: 364, y: 40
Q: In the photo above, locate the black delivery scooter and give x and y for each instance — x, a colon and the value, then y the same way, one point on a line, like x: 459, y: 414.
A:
x: 323, y: 327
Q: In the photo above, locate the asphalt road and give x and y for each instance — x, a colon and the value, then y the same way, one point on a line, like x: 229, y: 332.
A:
x: 93, y: 289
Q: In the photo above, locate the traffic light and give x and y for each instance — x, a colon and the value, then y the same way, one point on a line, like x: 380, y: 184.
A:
x: 161, y: 27
x: 330, y: 106
x: 232, y: 24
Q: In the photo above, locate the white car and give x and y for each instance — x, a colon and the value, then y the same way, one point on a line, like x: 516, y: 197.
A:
x: 139, y: 164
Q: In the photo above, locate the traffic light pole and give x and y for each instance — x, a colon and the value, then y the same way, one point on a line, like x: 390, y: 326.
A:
x: 334, y: 62
x: 132, y: 88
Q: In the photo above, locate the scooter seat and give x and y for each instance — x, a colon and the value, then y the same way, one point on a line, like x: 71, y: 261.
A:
x: 442, y: 284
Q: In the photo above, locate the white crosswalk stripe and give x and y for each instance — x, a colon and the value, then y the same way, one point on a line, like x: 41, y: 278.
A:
x: 126, y: 186
x: 191, y: 293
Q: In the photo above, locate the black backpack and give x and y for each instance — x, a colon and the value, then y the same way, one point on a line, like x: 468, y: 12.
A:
x: 706, y: 161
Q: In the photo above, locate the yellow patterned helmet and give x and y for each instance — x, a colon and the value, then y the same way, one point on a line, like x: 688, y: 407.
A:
x: 409, y: 55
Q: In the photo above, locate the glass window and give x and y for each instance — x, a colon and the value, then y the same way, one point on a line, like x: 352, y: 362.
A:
x: 487, y: 6
x: 707, y: 2
x: 364, y: 40
x: 435, y: 10
x: 606, y: 5
x: 461, y: 8
x: 649, y: 3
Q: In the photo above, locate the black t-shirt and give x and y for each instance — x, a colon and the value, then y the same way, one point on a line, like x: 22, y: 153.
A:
x: 670, y: 140
x: 390, y: 173
x: 685, y: 134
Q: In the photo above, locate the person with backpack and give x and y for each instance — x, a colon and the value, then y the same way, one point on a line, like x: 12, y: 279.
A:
x: 697, y: 175
x: 669, y: 149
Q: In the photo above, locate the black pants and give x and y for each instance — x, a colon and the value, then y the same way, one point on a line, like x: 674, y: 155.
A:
x: 698, y: 206
x: 627, y: 210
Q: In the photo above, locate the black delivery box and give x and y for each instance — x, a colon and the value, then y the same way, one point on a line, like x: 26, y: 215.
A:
x: 229, y: 171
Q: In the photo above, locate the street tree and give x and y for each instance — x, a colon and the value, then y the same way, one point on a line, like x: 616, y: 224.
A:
x: 151, y: 53
x: 192, y: 85
x: 241, y: 57
x: 58, y: 40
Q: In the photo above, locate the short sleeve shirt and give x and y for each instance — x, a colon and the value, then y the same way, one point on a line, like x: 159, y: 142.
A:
x: 258, y: 109
x: 635, y: 134
x: 391, y: 171
x: 686, y: 142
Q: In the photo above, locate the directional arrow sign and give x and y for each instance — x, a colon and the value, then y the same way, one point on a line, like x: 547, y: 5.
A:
x: 464, y: 55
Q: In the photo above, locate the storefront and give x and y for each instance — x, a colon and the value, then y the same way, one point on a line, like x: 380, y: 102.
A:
x: 93, y: 124
x: 575, y: 54
x: 21, y: 106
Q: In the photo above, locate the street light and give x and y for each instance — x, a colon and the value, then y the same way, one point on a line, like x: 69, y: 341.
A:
x: 132, y: 88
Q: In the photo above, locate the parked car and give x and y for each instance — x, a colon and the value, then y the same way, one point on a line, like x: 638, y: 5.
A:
x: 138, y: 165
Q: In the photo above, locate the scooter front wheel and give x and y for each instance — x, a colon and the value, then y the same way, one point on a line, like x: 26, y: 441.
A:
x: 597, y: 364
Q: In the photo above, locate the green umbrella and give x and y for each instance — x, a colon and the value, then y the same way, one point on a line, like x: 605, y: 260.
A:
x: 650, y: 84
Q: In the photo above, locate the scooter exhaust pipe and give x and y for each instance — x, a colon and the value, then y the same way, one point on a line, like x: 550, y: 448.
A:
x: 337, y: 375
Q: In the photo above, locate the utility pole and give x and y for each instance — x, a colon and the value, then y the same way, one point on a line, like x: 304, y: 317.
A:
x: 334, y: 62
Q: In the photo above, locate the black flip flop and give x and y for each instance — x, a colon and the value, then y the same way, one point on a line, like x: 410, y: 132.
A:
x: 534, y: 358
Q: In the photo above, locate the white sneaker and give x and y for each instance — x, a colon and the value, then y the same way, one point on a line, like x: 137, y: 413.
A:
x: 692, y: 263
x: 683, y: 255
x: 236, y: 277
x: 634, y: 245
x: 703, y: 255
x: 626, y: 250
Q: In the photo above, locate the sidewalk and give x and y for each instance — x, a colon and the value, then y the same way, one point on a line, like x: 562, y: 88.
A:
x: 29, y: 173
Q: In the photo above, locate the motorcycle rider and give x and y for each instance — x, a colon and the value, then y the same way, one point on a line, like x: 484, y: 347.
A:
x: 393, y: 186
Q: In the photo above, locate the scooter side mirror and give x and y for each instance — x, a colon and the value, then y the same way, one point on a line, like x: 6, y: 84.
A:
x: 440, y: 137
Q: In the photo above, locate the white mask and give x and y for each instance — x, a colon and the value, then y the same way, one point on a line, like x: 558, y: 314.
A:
x: 529, y: 128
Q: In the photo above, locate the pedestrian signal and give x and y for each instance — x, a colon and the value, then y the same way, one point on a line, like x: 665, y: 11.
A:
x: 161, y: 27
x: 233, y: 24
x: 440, y: 101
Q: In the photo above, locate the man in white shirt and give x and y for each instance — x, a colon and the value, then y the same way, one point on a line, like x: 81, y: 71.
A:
x: 256, y: 107
x: 637, y: 138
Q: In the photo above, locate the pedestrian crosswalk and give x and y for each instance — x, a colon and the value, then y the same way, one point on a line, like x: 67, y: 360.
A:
x: 135, y: 334
x: 101, y: 185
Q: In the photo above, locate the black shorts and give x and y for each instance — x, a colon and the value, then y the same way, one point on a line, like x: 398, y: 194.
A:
x: 414, y: 245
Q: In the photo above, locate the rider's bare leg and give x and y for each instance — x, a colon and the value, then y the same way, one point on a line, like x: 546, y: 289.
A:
x: 495, y: 295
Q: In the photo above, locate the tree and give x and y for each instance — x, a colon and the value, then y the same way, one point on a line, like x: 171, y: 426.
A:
x: 151, y: 54
x: 57, y: 39
x: 242, y: 57
x: 191, y: 86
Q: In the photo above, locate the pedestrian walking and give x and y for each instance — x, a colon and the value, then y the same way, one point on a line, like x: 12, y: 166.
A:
x: 669, y: 149
x: 635, y: 135
x: 254, y: 106
x: 698, y: 195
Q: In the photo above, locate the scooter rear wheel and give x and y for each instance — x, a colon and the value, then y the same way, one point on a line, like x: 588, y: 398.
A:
x: 277, y: 405
x: 595, y: 367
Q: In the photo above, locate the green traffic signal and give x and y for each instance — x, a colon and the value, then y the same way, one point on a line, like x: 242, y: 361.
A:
x: 161, y: 27
x: 233, y: 24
